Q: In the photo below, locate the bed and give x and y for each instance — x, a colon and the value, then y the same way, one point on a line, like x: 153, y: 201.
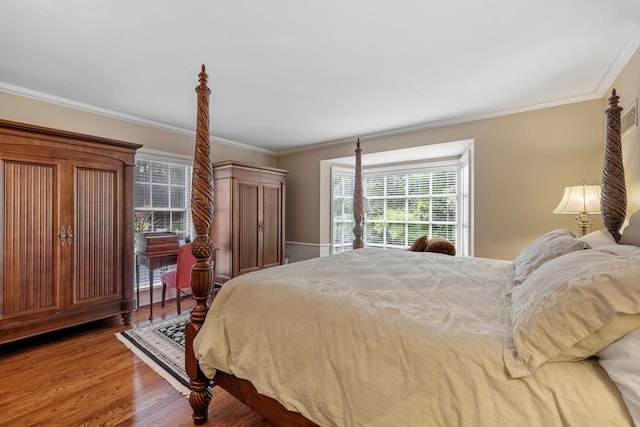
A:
x: 374, y: 337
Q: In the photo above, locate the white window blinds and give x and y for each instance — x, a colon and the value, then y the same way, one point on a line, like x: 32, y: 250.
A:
x: 162, y: 196
x: 409, y: 205
x: 342, y: 182
x: 162, y: 199
x: 431, y: 199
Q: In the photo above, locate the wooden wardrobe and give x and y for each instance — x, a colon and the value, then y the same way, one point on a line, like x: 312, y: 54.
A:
x: 66, y: 224
x: 248, y: 218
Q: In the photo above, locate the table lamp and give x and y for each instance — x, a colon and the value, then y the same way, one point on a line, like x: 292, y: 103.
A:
x: 583, y: 201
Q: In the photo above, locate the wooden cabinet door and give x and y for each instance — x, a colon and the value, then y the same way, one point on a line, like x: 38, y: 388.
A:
x: 98, y: 238
x: 31, y: 249
x: 271, y: 226
x: 247, y: 246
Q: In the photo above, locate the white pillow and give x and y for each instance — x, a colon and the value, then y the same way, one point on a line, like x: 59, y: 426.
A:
x: 545, y: 248
x: 598, y: 238
x: 621, y: 361
x: 631, y: 233
x: 571, y: 308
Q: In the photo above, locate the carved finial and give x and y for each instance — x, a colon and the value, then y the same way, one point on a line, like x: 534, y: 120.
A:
x: 613, y: 99
x: 203, y: 78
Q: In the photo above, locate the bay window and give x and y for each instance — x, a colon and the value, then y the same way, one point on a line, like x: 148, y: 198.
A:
x: 430, y: 198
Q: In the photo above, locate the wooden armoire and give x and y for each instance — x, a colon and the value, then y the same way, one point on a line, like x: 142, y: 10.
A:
x: 66, y: 224
x: 248, y: 218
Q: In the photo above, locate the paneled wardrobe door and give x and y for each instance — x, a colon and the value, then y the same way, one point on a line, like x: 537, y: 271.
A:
x: 272, y: 221
x: 32, y: 252
x: 247, y: 238
x: 97, y: 233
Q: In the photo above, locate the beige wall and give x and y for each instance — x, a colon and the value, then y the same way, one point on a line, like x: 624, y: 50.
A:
x: 522, y: 162
x: 627, y: 85
x: 28, y: 110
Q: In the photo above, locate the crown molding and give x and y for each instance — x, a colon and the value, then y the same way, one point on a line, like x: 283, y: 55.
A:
x: 68, y: 103
x: 622, y: 59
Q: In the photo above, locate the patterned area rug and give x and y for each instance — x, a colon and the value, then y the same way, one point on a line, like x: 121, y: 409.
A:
x: 161, y: 346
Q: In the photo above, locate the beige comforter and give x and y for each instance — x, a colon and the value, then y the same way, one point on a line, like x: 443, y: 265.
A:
x: 393, y: 338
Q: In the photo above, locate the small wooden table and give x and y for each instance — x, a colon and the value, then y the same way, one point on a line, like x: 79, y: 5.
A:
x: 152, y: 261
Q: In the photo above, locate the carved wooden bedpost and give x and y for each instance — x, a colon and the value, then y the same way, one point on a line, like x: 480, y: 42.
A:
x: 357, y: 201
x: 202, y: 249
x: 614, y: 195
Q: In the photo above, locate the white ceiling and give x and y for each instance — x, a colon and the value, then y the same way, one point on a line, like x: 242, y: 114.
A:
x: 290, y: 73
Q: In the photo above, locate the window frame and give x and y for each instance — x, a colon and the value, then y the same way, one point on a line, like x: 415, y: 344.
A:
x: 460, y: 165
x: 346, y: 241
x: 170, y: 159
x: 188, y: 231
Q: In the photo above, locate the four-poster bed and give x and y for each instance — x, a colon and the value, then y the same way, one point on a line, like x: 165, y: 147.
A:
x: 374, y: 338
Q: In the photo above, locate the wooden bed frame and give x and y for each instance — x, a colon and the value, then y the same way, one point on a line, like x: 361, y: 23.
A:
x: 613, y: 208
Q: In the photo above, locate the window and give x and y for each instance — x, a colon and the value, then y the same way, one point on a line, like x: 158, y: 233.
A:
x: 162, y: 197
x: 422, y: 199
x: 409, y: 205
x: 342, y: 182
x: 464, y: 222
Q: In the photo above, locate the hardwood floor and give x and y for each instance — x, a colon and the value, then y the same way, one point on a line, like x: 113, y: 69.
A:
x: 83, y: 376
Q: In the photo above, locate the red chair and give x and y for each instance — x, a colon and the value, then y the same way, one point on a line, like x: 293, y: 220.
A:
x: 180, y: 277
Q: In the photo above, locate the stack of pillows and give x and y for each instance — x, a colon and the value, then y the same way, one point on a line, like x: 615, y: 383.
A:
x: 437, y: 244
x: 571, y: 304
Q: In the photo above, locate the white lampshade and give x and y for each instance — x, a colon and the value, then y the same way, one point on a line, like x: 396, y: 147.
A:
x: 366, y: 207
x: 581, y: 199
